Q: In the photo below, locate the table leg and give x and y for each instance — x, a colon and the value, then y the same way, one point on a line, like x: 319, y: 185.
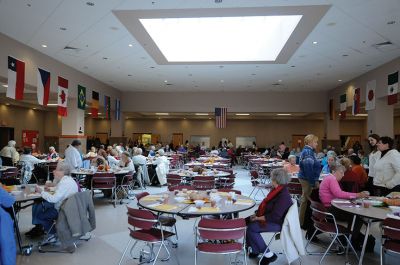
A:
x: 365, y: 242
x: 17, y: 232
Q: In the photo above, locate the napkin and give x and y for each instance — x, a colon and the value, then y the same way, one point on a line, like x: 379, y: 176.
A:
x: 203, y: 209
x: 244, y: 202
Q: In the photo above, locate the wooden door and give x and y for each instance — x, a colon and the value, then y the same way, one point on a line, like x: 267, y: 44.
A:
x: 137, y: 137
x: 155, y: 138
x: 6, y: 134
x: 298, y: 141
x: 103, y: 137
x: 177, y: 139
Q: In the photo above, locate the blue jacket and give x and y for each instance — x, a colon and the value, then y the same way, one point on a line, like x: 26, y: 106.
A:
x: 8, y: 252
x: 310, y: 167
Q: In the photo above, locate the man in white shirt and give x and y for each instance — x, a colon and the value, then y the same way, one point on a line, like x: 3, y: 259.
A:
x: 44, y: 213
x: 140, y: 160
x: 72, y: 156
x: 9, y: 154
x: 28, y: 162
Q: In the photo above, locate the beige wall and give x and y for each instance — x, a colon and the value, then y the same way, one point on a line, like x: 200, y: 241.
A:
x: 353, y: 127
x: 267, y: 132
x: 396, y: 125
x: 93, y: 126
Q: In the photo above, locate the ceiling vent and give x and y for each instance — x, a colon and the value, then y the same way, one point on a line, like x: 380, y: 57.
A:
x: 276, y: 84
x: 385, y: 46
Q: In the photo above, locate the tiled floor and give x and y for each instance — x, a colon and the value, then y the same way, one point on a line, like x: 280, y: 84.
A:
x: 111, y: 236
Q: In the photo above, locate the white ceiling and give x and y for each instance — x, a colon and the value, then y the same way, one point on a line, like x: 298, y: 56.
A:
x: 349, y: 28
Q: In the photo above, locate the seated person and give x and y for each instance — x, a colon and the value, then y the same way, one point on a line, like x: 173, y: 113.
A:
x: 324, y: 160
x: 331, y: 160
x: 364, y: 159
x: 359, y: 170
x: 53, y: 155
x: 152, y: 151
x: 98, y: 161
x: 112, y: 159
x: 214, y: 151
x: 141, y: 161
x: 224, y: 153
x: 269, y: 217
x: 92, y: 153
x: 291, y: 167
x: 35, y: 151
x: 126, y: 163
x: 181, y: 149
x: 350, y: 182
x: 28, y: 162
x: 44, y: 213
x: 162, y: 168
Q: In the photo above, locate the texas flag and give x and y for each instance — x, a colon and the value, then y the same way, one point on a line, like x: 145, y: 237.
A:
x: 16, y: 78
x: 393, y: 88
x: 62, y: 96
x: 43, y: 87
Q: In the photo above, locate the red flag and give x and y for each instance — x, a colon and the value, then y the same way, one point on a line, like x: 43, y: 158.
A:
x: 16, y: 78
x: 62, y: 96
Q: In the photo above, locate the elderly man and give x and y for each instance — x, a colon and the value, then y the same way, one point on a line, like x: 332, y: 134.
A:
x: 43, y: 214
x: 28, y: 162
x: 140, y: 160
x: 9, y: 154
x: 73, y: 157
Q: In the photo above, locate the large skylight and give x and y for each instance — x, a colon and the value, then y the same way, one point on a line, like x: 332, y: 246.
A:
x: 215, y: 39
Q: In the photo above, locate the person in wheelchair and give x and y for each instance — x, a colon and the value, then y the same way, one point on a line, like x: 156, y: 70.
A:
x: 45, y: 212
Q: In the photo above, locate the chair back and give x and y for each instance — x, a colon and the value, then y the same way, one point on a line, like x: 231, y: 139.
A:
x: 127, y: 178
x: 142, y: 219
x: 323, y: 220
x: 141, y: 195
x: 214, y: 229
x: 254, y: 174
x: 294, y: 188
x: 103, y: 180
x: 391, y: 229
x: 173, y: 181
x: 204, y: 182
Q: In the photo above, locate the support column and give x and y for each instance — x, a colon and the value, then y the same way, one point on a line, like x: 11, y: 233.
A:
x: 117, y: 129
x: 380, y: 120
x: 332, y: 132
x: 72, y: 126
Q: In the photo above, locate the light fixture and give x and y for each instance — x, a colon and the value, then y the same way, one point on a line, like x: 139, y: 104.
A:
x: 34, y: 108
x: 165, y: 81
x: 162, y: 113
x: 5, y: 85
x: 201, y: 114
x: 279, y: 80
x: 89, y: 113
x: 315, y: 42
x: 222, y: 81
x: 284, y: 114
x: 362, y: 115
x: 209, y: 118
x: 130, y: 45
x: 340, y: 80
x: 44, y: 45
x: 242, y: 114
x: 246, y: 38
x: 7, y: 104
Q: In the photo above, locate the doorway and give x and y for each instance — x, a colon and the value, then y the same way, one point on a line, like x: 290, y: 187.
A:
x: 177, y: 139
x: 6, y: 134
x: 298, y: 141
x: 103, y: 137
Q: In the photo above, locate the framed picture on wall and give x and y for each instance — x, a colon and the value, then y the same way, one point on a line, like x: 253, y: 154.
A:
x: 30, y: 137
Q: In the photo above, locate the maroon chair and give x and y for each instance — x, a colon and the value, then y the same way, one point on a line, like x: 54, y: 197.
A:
x: 127, y: 184
x: 173, y: 180
x: 210, y: 233
x: 390, y: 237
x: 226, y: 182
x: 204, y: 182
x: 295, y: 190
x: 143, y: 229
x: 238, y: 192
x: 104, y: 181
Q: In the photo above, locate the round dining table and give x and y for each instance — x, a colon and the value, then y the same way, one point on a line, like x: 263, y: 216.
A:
x: 370, y: 215
x: 181, y: 205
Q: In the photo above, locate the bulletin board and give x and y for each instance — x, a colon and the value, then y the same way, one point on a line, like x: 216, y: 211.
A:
x: 30, y: 137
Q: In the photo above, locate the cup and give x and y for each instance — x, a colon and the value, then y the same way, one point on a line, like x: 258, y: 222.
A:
x: 366, y: 203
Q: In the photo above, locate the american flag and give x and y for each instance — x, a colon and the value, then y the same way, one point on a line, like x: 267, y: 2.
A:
x: 220, y: 117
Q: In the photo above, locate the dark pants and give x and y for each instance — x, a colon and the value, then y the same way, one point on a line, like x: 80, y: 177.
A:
x: 7, y: 161
x: 44, y: 214
x: 382, y: 191
x: 254, y: 238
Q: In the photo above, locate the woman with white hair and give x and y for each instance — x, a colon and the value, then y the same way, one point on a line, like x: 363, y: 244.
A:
x: 53, y: 155
x: 9, y: 154
x: 162, y: 167
x: 291, y: 167
x: 126, y: 163
x: 152, y: 151
x: 140, y: 160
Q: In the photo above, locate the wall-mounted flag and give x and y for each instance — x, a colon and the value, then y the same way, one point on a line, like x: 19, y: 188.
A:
x: 343, y: 106
x: 220, y: 117
x: 95, y: 104
x: 16, y: 78
x: 81, y: 97
x: 393, y: 88
x: 117, y: 109
x: 43, y: 87
x: 370, y: 95
x: 62, y: 96
x: 107, y: 107
x: 356, y: 101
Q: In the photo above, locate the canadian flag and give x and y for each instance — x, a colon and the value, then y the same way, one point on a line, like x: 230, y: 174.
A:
x: 370, y: 95
x: 62, y: 96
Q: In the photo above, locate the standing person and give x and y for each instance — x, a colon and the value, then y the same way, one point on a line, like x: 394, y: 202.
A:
x: 9, y: 154
x: 387, y: 168
x: 310, y: 169
x: 162, y: 167
x: 373, y: 156
x: 7, y: 240
x: 72, y: 156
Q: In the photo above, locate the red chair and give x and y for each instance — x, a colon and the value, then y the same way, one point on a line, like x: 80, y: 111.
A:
x: 173, y: 181
x: 210, y: 233
x: 295, y: 190
x: 143, y: 229
x: 104, y: 181
x: 204, y: 182
x: 390, y: 237
x: 127, y: 185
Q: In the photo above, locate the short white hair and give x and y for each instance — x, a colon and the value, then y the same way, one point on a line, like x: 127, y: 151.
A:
x: 291, y: 156
x: 12, y: 143
x: 280, y: 176
x: 52, y: 148
x: 64, y: 167
x: 139, y: 151
x: 161, y: 152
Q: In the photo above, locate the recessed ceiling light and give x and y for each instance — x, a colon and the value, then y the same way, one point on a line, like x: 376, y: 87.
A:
x: 242, y: 114
x: 159, y: 118
x: 162, y: 113
x: 284, y: 114
x: 265, y: 37
x: 33, y: 108
x: 315, y: 42
x: 5, y: 85
x: 201, y: 114
x: 90, y: 3
x: 44, y: 45
x: 99, y: 113
x: 89, y: 113
x: 209, y: 118
x: 340, y: 80
x: 165, y: 81
x: 279, y: 80
x: 7, y: 104
x: 130, y: 45
x: 184, y: 118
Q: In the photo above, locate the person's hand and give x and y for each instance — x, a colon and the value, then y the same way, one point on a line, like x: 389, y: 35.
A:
x: 38, y: 189
x: 253, y: 218
x: 361, y: 195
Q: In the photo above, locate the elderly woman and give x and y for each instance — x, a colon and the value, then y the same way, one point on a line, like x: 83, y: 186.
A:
x: 387, y: 168
x: 9, y: 154
x: 310, y: 169
x: 52, y: 155
x: 140, y: 160
x: 43, y: 214
x: 112, y: 158
x: 162, y: 167
x: 269, y: 217
x: 126, y: 163
x: 331, y: 160
x: 92, y: 153
x: 152, y: 151
x: 291, y: 167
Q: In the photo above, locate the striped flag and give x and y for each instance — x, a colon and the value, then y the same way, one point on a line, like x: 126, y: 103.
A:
x: 343, y: 106
x: 370, y: 95
x: 43, y: 87
x: 62, y: 96
x: 220, y: 117
x: 16, y: 78
x: 393, y: 88
x: 95, y: 104
x: 356, y: 101
x: 117, y: 109
x: 107, y: 107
